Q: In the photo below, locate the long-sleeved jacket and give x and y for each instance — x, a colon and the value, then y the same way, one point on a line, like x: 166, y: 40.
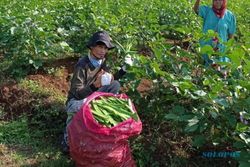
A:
x: 83, y: 77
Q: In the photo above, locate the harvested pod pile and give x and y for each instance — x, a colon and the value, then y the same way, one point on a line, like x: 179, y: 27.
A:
x: 110, y: 111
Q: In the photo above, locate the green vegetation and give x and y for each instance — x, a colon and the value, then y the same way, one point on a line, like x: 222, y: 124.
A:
x: 188, y: 109
x: 105, y: 111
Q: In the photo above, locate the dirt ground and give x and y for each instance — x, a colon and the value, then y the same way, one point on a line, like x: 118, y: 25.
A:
x: 15, y: 100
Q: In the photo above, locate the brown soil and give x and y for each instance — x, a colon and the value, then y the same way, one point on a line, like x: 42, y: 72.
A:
x: 16, y: 101
x: 56, y: 83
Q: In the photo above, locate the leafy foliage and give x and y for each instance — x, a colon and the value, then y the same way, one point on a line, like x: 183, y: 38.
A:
x: 196, y: 101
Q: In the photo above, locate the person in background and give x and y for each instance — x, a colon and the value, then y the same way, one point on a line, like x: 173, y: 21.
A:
x: 88, y: 77
x: 219, y: 19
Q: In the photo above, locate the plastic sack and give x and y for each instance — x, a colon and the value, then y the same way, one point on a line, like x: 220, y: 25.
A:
x: 94, y: 145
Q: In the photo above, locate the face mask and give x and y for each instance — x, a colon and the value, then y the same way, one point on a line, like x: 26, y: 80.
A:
x: 96, y: 63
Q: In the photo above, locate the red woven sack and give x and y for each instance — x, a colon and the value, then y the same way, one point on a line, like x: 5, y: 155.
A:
x: 94, y: 145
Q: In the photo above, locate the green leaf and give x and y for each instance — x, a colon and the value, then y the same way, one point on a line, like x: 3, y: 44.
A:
x: 37, y: 64
x: 244, y: 158
x: 192, y: 124
x: 239, y: 144
x: 199, y: 141
x: 221, y: 101
x: 185, y: 117
x: 244, y: 164
x: 172, y: 117
x: 12, y: 30
x: 245, y: 137
x: 64, y: 44
x: 178, y: 109
x: 31, y: 61
x: 200, y: 93
x: 193, y: 121
x: 213, y: 114
x: 245, y: 84
x: 230, y: 119
x: 156, y: 68
x: 236, y: 56
x: 240, y: 127
x: 217, y: 87
x: 246, y: 67
x: 206, y: 82
x: 207, y: 49
x: 191, y: 128
x: 185, y: 85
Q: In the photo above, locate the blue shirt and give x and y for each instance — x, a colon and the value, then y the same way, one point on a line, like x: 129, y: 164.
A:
x: 224, y: 26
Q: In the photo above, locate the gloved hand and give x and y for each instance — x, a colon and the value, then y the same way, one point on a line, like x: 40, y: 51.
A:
x: 128, y: 62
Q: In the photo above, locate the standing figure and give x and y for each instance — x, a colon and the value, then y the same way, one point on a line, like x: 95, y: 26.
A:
x: 219, y: 19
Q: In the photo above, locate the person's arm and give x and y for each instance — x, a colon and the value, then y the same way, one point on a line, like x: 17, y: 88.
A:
x: 97, y: 83
x: 196, y: 6
x: 128, y: 61
x: 119, y: 74
x: 78, y: 87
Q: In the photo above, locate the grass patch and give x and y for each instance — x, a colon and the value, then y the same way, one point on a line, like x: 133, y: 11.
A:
x: 21, y: 145
x: 36, y: 88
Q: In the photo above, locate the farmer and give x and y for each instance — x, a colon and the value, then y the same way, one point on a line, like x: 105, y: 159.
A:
x: 221, y: 21
x: 87, y: 76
